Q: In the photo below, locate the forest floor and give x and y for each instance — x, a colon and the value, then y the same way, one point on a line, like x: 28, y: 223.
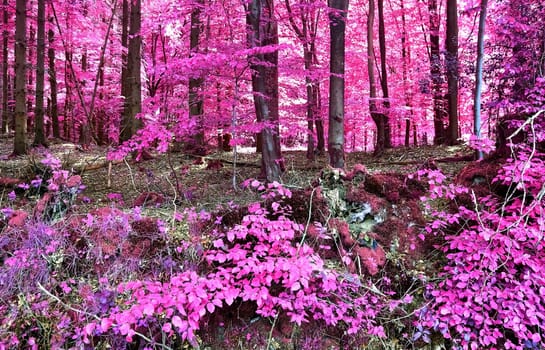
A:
x: 171, y: 182
x: 205, y: 182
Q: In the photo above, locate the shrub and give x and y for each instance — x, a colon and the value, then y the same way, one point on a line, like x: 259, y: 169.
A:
x: 490, y: 294
x: 261, y: 261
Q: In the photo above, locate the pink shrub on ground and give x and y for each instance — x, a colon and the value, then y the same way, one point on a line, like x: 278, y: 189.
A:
x: 490, y: 295
x: 258, y: 261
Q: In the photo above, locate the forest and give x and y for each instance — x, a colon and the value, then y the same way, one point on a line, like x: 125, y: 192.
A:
x: 272, y: 174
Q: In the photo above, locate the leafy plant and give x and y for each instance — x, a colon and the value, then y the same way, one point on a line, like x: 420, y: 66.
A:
x: 490, y: 292
x: 260, y: 261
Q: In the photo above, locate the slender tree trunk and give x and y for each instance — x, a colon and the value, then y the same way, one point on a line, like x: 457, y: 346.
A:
x: 54, y: 109
x: 338, y: 10
x: 124, y: 75
x: 406, y: 57
x: 306, y: 33
x: 319, y: 123
x: 20, y: 145
x: 133, y: 105
x: 90, y: 117
x: 5, y: 76
x: 196, y: 83
x: 85, y: 129
x: 101, y: 115
x: 68, y: 103
x: 262, y: 30
x: 124, y: 43
x: 439, y: 111
x: 39, y: 131
x: 479, y: 75
x: 452, y: 70
x: 31, y: 37
x: 377, y: 117
x: 384, y: 76
x: 311, y: 105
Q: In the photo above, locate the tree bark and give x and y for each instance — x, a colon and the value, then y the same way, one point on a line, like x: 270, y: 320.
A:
x: 196, y: 82
x: 337, y: 23
x: 384, y: 76
x: 54, y: 109
x: 262, y: 31
x: 39, y: 131
x: 133, y: 103
x: 5, y: 76
x: 439, y: 111
x: 452, y: 70
x: 20, y: 145
x: 479, y: 75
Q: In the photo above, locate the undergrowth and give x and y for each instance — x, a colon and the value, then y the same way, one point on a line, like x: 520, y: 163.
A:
x: 118, y: 279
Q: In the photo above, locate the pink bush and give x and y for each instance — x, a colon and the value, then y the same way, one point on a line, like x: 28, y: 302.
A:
x: 490, y: 294
x: 259, y: 261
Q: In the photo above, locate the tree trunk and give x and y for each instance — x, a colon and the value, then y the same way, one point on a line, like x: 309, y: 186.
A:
x: 30, y: 75
x: 5, y: 76
x: 311, y: 107
x: 452, y: 70
x: 20, y: 145
x: 54, y: 109
x: 479, y: 76
x: 68, y: 104
x: 124, y: 134
x: 39, y: 131
x: 384, y: 76
x: 196, y: 83
x: 337, y: 23
x: 377, y: 117
x: 133, y: 104
x: 85, y: 129
x: 406, y: 57
x: 436, y: 75
x: 306, y: 33
x: 262, y: 30
x: 124, y: 44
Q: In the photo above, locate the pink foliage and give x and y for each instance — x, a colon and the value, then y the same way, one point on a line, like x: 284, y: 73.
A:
x: 490, y: 295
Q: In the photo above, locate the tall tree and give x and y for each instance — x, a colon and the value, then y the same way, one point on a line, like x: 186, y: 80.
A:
x: 39, y: 131
x: 479, y: 75
x: 385, y: 114
x: 196, y: 82
x: 406, y: 57
x: 452, y: 70
x: 5, y: 63
x: 54, y: 109
x: 306, y: 33
x: 337, y: 23
x: 439, y: 111
x: 20, y: 145
x: 263, y: 31
x: 378, y: 117
x: 133, y: 103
